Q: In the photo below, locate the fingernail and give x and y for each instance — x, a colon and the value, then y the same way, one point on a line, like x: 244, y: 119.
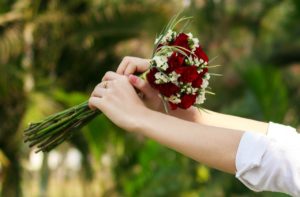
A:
x: 133, y: 78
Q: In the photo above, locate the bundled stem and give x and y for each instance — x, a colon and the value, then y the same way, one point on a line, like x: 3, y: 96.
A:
x: 58, y: 127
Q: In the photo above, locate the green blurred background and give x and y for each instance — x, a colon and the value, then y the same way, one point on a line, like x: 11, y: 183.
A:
x: 52, y: 54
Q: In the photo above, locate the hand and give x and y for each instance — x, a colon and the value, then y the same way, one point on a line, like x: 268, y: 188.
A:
x: 131, y: 65
x: 151, y: 99
x: 150, y: 96
x: 117, y: 99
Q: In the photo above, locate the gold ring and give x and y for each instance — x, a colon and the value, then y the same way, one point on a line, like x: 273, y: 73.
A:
x: 105, y: 84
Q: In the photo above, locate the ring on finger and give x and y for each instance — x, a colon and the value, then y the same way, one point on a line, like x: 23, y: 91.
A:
x: 105, y: 84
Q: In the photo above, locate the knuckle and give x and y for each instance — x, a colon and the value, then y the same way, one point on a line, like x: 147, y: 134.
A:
x: 104, y: 77
x: 127, y: 59
x: 108, y: 73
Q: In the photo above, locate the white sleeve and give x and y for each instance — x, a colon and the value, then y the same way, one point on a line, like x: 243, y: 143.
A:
x: 272, y: 162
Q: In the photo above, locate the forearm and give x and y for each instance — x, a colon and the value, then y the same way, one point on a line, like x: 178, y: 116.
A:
x: 213, y: 146
x: 211, y: 118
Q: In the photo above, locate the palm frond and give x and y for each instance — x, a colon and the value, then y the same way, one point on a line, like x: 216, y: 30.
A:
x: 11, y: 44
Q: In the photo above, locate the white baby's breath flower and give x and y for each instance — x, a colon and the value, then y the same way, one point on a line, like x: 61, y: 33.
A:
x: 173, y: 76
x: 161, y: 78
x: 189, y: 89
x: 161, y: 62
x: 170, y: 35
x: 200, y: 98
x: 174, y: 99
x: 204, y: 83
x: 207, y: 76
x: 200, y: 71
x: 194, y: 42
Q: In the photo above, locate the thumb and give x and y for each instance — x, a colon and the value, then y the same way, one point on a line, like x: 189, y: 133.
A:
x: 141, y: 85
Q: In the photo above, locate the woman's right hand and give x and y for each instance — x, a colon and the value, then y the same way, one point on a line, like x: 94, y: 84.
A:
x: 131, y: 65
x: 151, y: 98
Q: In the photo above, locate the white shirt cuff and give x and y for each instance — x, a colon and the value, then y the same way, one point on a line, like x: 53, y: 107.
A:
x: 280, y: 132
x: 272, y: 162
x: 249, y: 155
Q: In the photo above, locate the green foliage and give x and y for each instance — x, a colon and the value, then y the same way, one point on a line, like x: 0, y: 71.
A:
x: 267, y: 85
x: 52, y: 53
x: 154, y: 171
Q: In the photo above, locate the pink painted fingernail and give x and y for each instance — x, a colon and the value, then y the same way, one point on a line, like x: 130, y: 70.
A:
x: 133, y: 78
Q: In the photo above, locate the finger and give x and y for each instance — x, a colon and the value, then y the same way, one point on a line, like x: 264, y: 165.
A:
x: 141, y: 85
x: 110, y: 76
x: 130, y: 69
x: 95, y: 103
x: 103, y: 84
x: 99, y: 92
x: 144, y: 66
x: 122, y: 66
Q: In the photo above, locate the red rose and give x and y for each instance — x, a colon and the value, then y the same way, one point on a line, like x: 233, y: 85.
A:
x: 182, y: 41
x: 174, y: 61
x: 168, y: 89
x: 188, y: 73
x: 187, y: 100
x: 173, y: 106
x: 205, y: 70
x: 201, y: 54
x: 198, y: 82
x: 151, y: 78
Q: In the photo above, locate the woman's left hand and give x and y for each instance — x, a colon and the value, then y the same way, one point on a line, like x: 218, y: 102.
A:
x: 117, y: 99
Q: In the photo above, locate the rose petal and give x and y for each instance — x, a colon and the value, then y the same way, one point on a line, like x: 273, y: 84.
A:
x: 168, y: 89
x: 151, y: 77
x: 187, y: 100
x: 201, y: 54
x: 188, y: 73
x: 174, y: 61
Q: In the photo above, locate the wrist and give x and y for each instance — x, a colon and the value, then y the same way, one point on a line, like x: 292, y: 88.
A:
x: 141, y: 119
x: 192, y: 114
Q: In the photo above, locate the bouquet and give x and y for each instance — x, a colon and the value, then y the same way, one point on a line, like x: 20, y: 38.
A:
x: 178, y: 70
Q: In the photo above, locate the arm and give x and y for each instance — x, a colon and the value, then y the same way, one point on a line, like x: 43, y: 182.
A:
x: 214, y: 146
x: 211, y: 118
x: 130, y: 65
x: 262, y: 163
